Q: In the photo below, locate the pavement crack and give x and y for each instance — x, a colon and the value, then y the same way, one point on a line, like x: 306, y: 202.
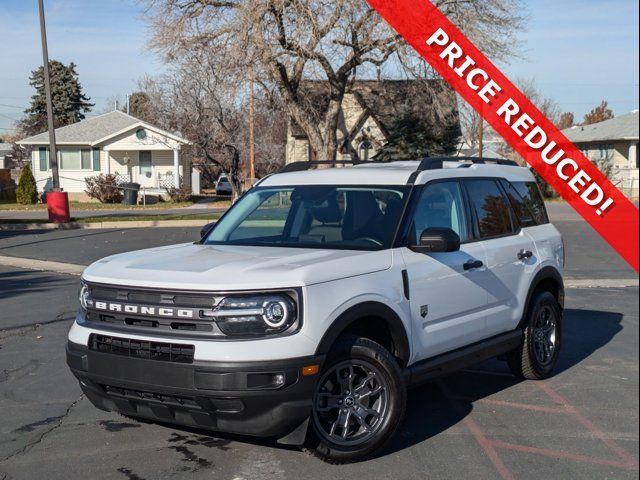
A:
x: 41, y: 437
x: 19, y: 330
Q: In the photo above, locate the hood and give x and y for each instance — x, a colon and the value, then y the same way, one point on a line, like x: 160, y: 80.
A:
x: 215, y: 267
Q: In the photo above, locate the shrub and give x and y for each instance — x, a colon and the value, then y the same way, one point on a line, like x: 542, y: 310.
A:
x: 7, y: 186
x: 181, y: 194
x: 27, y: 191
x: 104, y: 188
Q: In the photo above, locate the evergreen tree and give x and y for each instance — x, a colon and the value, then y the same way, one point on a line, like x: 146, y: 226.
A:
x: 69, y: 102
x: 27, y: 191
x: 412, y: 138
x: 140, y: 107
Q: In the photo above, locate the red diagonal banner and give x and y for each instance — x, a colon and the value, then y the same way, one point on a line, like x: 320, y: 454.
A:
x: 517, y: 120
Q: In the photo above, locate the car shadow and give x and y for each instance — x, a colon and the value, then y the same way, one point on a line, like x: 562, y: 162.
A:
x: 436, y: 406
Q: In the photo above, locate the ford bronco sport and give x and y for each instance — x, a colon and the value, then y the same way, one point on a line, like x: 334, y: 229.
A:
x: 305, y: 312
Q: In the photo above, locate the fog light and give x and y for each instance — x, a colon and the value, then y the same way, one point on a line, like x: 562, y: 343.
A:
x: 278, y: 380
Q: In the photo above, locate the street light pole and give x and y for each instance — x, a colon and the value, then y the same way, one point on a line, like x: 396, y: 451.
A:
x: 53, y: 155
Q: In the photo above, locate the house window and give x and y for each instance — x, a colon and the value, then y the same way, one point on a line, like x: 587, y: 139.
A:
x: 75, y: 159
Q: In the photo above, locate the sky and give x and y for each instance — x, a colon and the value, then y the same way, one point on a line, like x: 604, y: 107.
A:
x: 579, y: 52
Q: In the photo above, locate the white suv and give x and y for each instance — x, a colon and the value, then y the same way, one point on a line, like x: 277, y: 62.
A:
x: 305, y: 312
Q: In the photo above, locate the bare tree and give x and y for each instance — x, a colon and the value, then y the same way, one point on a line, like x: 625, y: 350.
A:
x: 202, y: 102
x: 469, y: 123
x: 289, y: 41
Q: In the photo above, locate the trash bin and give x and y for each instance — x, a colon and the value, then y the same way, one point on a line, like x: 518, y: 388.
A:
x: 130, y: 193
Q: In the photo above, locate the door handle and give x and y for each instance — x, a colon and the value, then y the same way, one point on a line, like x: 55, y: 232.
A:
x: 473, y: 264
x: 524, y: 254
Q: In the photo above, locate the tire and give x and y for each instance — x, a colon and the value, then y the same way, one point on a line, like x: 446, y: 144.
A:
x: 374, y: 384
x: 536, y: 357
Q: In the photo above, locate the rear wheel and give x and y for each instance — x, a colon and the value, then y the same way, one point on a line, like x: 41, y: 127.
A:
x: 536, y: 357
x: 359, y: 402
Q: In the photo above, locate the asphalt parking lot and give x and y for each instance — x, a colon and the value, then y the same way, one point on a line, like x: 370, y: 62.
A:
x: 480, y: 423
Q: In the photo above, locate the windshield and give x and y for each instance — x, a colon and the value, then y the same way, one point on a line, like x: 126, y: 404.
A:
x: 313, y: 216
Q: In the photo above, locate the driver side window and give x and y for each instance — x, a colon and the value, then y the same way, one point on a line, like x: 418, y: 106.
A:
x: 441, y: 205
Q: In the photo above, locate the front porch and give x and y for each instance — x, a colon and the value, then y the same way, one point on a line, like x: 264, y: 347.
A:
x: 154, y: 170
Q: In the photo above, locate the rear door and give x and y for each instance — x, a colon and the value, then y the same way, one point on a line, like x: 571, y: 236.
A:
x: 510, y: 253
x: 448, y: 300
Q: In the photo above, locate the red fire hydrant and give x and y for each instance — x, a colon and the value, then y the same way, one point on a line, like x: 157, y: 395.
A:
x: 58, y: 207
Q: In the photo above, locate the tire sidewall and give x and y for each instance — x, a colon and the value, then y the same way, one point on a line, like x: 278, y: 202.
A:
x: 543, y: 299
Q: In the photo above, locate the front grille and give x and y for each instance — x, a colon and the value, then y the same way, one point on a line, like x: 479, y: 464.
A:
x: 150, y: 297
x: 194, y: 326
x: 168, y: 352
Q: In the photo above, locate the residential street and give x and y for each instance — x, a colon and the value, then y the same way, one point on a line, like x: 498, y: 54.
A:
x: 480, y: 423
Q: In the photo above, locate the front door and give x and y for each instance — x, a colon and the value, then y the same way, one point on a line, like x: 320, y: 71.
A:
x: 448, y: 299
x: 145, y: 170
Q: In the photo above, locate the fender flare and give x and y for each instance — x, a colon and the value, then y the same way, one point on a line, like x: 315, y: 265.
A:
x: 363, y: 310
x: 544, y: 273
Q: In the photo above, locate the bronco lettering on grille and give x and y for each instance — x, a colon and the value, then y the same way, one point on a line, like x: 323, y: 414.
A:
x: 144, y: 310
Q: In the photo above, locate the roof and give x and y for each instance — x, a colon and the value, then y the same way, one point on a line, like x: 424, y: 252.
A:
x: 95, y: 130
x: 624, y: 127
x: 393, y: 173
x: 432, y: 100
x: 475, y: 152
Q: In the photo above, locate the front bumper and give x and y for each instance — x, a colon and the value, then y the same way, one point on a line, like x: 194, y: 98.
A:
x: 234, y: 397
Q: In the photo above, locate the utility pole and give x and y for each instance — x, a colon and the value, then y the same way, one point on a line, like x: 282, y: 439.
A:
x: 252, y: 150
x: 57, y: 200
x: 53, y: 154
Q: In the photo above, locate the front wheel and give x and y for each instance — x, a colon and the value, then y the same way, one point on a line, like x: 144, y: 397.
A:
x: 359, y: 402
x: 536, y: 357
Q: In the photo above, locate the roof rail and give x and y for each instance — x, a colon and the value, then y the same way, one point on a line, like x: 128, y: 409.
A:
x: 435, y: 163
x: 308, y: 165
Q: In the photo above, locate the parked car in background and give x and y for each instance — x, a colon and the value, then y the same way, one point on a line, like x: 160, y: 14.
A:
x: 223, y: 186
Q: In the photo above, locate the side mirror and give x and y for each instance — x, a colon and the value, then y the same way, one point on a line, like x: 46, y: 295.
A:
x: 433, y: 240
x: 204, y: 231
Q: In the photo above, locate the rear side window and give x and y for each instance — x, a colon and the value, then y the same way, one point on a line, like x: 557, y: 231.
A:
x: 527, y: 202
x: 491, y: 208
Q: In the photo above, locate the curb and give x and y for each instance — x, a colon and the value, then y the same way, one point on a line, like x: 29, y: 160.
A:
x: 96, y: 225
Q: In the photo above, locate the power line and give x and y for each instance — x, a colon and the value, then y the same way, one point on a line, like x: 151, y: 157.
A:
x: 12, y: 106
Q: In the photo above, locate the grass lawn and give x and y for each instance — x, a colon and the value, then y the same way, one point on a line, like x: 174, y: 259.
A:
x: 13, y: 206
x: 132, y: 218
x: 124, y: 218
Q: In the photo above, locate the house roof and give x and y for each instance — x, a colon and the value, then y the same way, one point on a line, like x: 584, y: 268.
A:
x: 95, y: 130
x: 487, y: 152
x: 432, y: 100
x: 624, y: 127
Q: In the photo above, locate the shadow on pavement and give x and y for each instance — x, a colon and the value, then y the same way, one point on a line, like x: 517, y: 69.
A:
x: 430, y: 411
x: 14, y: 283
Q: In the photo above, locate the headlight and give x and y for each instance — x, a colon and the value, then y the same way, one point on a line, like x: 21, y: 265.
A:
x: 256, y: 314
x: 85, y: 297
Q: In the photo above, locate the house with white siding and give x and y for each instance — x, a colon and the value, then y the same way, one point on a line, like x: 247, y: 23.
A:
x: 614, y: 141
x: 114, y: 143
